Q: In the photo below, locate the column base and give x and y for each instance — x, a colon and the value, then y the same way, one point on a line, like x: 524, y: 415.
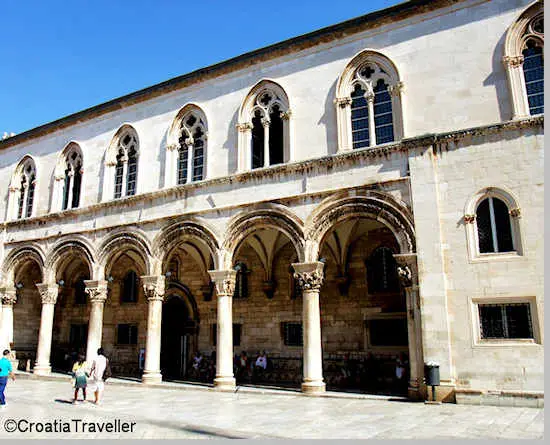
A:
x: 150, y: 377
x: 225, y: 383
x: 313, y: 388
x: 42, y: 370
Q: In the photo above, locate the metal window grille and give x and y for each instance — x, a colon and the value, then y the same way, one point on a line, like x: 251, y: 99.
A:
x: 511, y: 320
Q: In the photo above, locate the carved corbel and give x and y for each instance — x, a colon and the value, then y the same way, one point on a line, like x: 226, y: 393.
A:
x: 406, y: 269
x: 469, y: 219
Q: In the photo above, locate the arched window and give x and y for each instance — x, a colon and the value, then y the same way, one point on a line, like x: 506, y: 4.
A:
x: 241, y: 281
x: 22, y: 189
x: 187, y: 144
x: 191, y: 149
x: 130, y: 287
x: 524, y: 61
x: 494, y: 228
x: 369, y: 103
x: 122, y: 164
x: 382, y: 271
x: 264, y: 128
x: 73, y: 180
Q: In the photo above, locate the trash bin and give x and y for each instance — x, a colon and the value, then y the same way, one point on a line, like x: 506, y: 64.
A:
x: 432, y: 374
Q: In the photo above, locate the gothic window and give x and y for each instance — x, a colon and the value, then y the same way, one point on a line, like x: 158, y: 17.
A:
x: 22, y: 190
x: 130, y: 287
x: 73, y: 179
x: 241, y: 282
x: 524, y: 61
x: 292, y: 334
x: 125, y: 163
x: 382, y: 271
x: 494, y: 228
x: 264, y: 126
x: 499, y: 321
x: 368, y: 101
x: 191, y: 147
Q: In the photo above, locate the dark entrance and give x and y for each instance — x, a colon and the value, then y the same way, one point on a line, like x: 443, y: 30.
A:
x: 178, y: 338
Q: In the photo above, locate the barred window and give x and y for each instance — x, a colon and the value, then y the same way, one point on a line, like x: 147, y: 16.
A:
x: 494, y: 227
x: 512, y: 320
x: 127, y: 334
x: 191, y: 143
x: 73, y: 178
x: 292, y: 334
x: 359, y: 118
x: 383, y: 121
x: 126, y: 169
x: 119, y: 174
x: 533, y: 70
x: 198, y: 155
x: 241, y: 282
x: 30, y: 196
x: 130, y: 287
x: 382, y: 271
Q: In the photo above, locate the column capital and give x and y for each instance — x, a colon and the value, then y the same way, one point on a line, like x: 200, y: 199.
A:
x: 342, y: 102
x: 512, y: 61
x: 48, y: 292
x: 309, y: 275
x: 172, y: 147
x: 96, y: 290
x: 266, y: 122
x: 153, y: 286
x: 224, y: 280
x: 469, y: 219
x: 8, y: 296
x: 244, y: 126
x: 396, y: 89
x: 286, y: 115
x: 406, y: 269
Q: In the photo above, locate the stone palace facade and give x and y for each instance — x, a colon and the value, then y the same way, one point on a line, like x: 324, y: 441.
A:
x: 371, y: 189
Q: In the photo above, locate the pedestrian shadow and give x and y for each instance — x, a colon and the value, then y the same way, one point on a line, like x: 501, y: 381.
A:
x: 70, y: 402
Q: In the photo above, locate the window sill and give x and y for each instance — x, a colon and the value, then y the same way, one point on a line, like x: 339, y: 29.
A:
x: 504, y: 256
x: 507, y: 342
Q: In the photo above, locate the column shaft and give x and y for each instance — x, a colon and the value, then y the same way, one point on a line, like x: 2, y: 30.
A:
x: 97, y: 294
x: 154, y: 291
x: 48, y: 293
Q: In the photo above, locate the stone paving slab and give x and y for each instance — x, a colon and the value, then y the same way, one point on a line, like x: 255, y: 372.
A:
x: 199, y: 414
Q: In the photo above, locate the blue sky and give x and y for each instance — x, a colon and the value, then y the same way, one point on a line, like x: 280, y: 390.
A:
x: 59, y: 57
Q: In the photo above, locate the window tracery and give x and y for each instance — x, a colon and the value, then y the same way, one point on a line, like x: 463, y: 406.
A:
x: 126, y: 165
x: 22, y: 190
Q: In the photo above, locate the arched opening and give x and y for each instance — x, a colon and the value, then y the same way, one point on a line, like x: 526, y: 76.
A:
x: 178, y: 334
x: 364, y: 323
x: 70, y: 331
x: 26, y: 312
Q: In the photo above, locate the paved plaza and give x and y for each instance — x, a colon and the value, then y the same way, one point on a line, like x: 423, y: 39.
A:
x: 174, y: 412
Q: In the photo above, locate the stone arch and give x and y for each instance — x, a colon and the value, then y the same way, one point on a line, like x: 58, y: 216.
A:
x: 15, y: 257
x: 65, y: 248
x: 184, y: 294
x: 248, y: 106
x: 273, y: 216
x: 181, y: 231
x: 60, y: 165
x: 174, y: 131
x: 515, y: 37
x: 112, y: 150
x: 379, y: 206
x: 121, y: 241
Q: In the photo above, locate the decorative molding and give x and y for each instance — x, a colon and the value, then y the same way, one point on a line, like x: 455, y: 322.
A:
x: 172, y: 147
x: 396, y: 89
x: 512, y: 61
x: 404, y: 274
x: 515, y: 213
x: 469, y: 219
x: 48, y: 292
x: 224, y: 281
x: 286, y: 115
x: 407, y: 269
x: 153, y: 287
x: 309, y: 276
x: 243, y: 127
x: 342, y: 102
x: 8, y: 296
x: 96, y: 290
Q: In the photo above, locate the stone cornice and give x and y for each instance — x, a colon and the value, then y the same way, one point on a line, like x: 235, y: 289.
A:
x: 301, y: 167
x: 341, y: 30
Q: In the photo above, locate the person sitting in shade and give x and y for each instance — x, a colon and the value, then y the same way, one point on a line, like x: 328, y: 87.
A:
x: 260, y: 365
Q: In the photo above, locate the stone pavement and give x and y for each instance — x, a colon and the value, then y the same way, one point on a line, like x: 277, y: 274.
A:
x: 204, y: 414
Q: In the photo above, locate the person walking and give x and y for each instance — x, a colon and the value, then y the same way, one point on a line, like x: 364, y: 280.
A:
x: 6, y: 371
x: 80, y: 374
x: 98, y: 374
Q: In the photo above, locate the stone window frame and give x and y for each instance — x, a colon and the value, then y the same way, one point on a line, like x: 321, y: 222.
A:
x: 26, y: 169
x: 130, y: 326
x: 470, y: 224
x: 478, y: 342
x: 519, y: 33
x: 247, y: 110
x: 65, y: 166
x: 384, y: 69
x: 115, y: 147
x: 174, y: 146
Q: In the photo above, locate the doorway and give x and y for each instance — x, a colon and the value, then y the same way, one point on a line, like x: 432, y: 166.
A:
x: 178, y: 338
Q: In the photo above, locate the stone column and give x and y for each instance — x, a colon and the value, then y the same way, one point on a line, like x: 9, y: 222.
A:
x: 266, y: 123
x: 8, y: 297
x: 398, y: 110
x: 97, y: 294
x: 406, y: 270
x: 171, y: 173
x: 372, y: 124
x: 343, y: 112
x: 224, y: 281
x: 190, y: 154
x: 48, y: 294
x: 109, y: 181
x: 310, y: 278
x: 516, y: 83
x: 153, y: 286
x: 244, y: 146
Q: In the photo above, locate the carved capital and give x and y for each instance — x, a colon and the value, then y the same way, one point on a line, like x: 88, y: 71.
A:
x: 153, y: 286
x: 243, y: 127
x: 309, y: 276
x: 515, y: 213
x: 513, y: 61
x: 286, y: 115
x: 172, y: 147
x: 48, y: 292
x: 342, y: 102
x: 469, y: 219
x: 396, y: 89
x: 8, y: 296
x: 266, y: 122
x: 224, y: 281
x: 406, y: 269
x: 96, y: 290
x: 13, y: 189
